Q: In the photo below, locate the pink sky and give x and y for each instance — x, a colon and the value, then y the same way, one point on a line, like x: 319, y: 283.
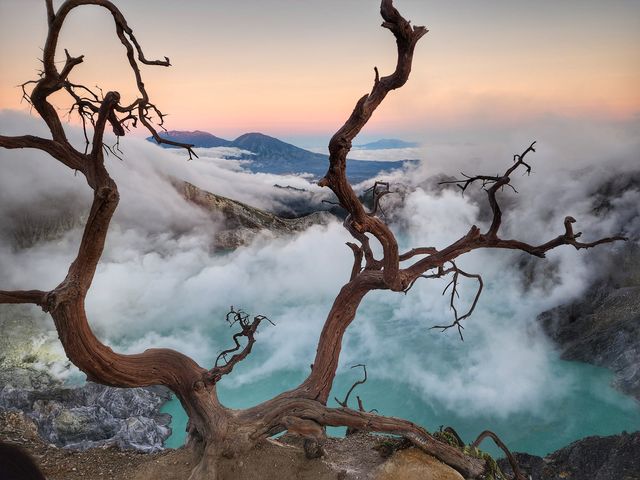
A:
x: 297, y: 68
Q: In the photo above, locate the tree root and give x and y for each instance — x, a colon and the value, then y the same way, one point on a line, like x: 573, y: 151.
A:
x: 517, y: 474
x: 308, y: 413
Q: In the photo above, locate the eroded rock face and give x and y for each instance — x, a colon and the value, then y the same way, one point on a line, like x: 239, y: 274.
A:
x: 616, y: 457
x: 603, y: 327
x: 242, y: 222
x: 82, y: 417
x: 94, y: 415
x: 603, y: 330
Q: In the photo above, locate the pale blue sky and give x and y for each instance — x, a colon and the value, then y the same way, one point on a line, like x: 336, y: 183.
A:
x: 297, y: 67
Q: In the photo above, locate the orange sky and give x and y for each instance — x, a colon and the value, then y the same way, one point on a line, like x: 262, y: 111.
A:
x: 297, y: 67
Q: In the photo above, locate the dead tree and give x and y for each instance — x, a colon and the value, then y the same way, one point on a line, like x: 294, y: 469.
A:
x: 216, y: 430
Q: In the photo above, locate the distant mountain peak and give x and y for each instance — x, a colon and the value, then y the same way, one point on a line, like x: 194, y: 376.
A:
x: 271, y: 155
x: 254, y: 135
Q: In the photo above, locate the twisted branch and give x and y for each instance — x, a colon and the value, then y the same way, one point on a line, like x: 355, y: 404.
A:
x: 340, y: 144
x: 378, y: 190
x: 314, y: 411
x: 345, y: 402
x: 66, y: 301
x: 454, y: 294
x: 247, y: 329
x: 517, y: 474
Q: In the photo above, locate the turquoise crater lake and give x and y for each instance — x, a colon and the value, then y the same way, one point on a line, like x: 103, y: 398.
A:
x: 590, y: 407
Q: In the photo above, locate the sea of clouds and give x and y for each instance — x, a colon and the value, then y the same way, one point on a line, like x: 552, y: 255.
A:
x: 161, y: 283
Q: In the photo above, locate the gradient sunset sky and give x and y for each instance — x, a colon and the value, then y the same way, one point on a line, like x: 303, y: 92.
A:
x: 296, y: 68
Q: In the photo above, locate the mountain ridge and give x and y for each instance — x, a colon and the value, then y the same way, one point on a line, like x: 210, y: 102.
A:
x: 271, y: 155
x: 387, y: 143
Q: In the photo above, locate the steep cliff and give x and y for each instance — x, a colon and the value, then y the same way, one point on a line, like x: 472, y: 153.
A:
x: 616, y: 457
x: 240, y: 222
x: 603, y: 326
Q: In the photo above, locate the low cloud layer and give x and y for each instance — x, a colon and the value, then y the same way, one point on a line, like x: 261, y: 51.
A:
x: 160, y: 283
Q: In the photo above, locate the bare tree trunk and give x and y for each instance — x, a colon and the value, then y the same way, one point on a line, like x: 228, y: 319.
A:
x: 323, y: 371
x: 214, y: 430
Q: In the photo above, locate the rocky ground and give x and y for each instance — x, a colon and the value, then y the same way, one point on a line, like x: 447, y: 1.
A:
x: 61, y: 463
x: 357, y: 457
x: 94, y: 415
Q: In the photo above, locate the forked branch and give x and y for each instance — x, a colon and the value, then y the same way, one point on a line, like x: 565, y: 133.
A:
x: 345, y: 402
x: 491, y: 184
x: 86, y: 102
x: 66, y: 301
x: 360, y: 221
x: 454, y: 284
x: 248, y: 330
x: 518, y: 475
x: 474, y: 239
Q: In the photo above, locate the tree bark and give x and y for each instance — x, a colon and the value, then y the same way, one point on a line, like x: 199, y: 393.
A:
x: 214, y: 430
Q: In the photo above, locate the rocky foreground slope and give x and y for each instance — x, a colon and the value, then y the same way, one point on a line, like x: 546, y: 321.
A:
x: 358, y: 457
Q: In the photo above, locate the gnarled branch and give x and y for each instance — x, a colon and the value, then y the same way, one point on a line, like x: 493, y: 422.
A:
x: 474, y: 239
x: 66, y: 301
x: 454, y: 294
x: 247, y: 329
x: 345, y: 402
x: 313, y: 411
x: 35, y: 297
x: 512, y: 461
x: 88, y: 106
x: 340, y: 144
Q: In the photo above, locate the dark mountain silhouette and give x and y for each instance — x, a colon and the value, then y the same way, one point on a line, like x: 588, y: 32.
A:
x: 275, y: 156
x: 387, y: 143
x: 270, y: 155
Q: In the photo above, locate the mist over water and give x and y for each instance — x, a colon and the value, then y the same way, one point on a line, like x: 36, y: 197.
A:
x: 161, y: 283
